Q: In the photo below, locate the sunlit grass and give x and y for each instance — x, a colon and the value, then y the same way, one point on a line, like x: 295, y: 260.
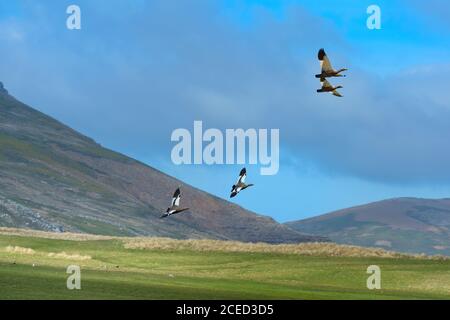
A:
x: 124, y: 268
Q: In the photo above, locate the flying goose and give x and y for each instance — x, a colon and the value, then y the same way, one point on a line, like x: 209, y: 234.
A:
x: 327, y: 69
x: 175, y: 206
x: 327, y: 87
x: 240, y: 184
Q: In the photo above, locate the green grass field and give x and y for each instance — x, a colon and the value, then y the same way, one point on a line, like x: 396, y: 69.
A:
x: 109, y: 270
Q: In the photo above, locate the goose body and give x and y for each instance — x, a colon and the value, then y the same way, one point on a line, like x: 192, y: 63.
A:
x: 327, y: 70
x: 327, y: 87
x: 240, y: 184
x: 175, y: 205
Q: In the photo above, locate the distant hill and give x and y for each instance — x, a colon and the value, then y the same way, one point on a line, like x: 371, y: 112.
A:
x: 402, y: 224
x: 53, y: 178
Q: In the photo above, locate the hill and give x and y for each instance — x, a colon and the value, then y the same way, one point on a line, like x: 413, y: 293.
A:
x: 402, y: 224
x: 56, y: 179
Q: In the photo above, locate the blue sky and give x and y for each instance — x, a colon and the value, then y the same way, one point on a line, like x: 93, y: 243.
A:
x: 139, y: 69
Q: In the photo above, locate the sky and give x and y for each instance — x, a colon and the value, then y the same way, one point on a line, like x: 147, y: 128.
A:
x: 137, y: 70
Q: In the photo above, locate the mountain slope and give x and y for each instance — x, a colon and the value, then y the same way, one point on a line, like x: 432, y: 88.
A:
x: 402, y: 224
x: 53, y: 178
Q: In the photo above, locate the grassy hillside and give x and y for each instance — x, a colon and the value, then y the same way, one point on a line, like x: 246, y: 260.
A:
x: 53, y: 178
x: 145, y: 268
x: 402, y: 224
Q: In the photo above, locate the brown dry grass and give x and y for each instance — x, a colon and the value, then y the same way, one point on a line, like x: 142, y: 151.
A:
x: 52, y: 235
x: 156, y: 243
x: 60, y: 255
x: 63, y: 255
x: 310, y: 249
x: 19, y: 250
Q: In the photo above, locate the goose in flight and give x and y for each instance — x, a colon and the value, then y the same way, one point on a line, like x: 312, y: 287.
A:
x: 240, y: 184
x: 327, y: 69
x: 175, y: 206
x: 327, y: 87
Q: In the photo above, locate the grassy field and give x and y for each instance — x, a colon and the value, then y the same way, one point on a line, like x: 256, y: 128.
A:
x: 33, y: 266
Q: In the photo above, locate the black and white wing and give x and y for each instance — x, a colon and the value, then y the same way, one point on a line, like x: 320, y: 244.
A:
x: 325, y: 63
x: 176, y: 198
x: 242, y: 176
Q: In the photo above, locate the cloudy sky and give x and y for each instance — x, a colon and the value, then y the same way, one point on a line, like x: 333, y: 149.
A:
x: 139, y: 69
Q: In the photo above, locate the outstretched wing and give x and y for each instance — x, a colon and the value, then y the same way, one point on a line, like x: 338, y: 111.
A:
x: 336, y: 93
x: 242, y: 176
x: 325, y: 84
x: 325, y: 63
x: 176, y: 198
